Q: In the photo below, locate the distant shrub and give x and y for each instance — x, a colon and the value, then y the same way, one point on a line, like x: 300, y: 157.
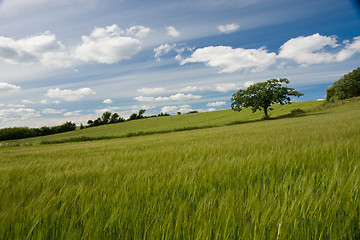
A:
x: 193, y: 112
x: 297, y: 111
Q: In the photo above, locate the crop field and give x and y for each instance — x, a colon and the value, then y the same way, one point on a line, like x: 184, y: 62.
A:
x: 288, y: 178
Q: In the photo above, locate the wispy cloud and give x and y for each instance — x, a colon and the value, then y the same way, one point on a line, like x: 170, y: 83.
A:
x: 176, y: 97
x: 6, y: 87
x: 229, y: 28
x: 52, y: 111
x: 69, y: 95
x: 150, y: 91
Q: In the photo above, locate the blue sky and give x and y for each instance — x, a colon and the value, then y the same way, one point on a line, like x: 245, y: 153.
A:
x: 72, y: 60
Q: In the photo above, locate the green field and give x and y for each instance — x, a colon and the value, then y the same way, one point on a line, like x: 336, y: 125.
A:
x: 287, y: 178
x: 167, y: 124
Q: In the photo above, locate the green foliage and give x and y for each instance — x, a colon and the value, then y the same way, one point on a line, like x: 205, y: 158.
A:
x: 261, y: 96
x: 228, y: 182
x: 25, y: 132
x: 137, y: 116
x: 106, y: 118
x: 347, y: 86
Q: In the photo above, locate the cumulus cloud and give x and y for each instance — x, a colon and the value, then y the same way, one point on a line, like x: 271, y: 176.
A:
x: 171, y: 31
x: 15, y: 113
x: 232, y: 60
x: 175, y: 109
x: 52, y: 111
x: 150, y: 91
x: 71, y: 114
x: 107, y: 45
x: 138, y: 31
x: 30, y: 49
x: 349, y: 50
x: 216, y: 104
x: 228, y: 28
x: 26, y: 101
x: 309, y: 50
x: 169, y: 109
x: 104, y: 45
x: 314, y: 49
x: 69, y: 95
x: 225, y: 87
x: 6, y: 87
x: 191, y: 89
x: 176, y: 97
x: 108, y: 101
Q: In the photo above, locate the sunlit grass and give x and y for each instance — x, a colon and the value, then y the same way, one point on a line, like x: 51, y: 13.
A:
x: 166, y: 124
x: 291, y: 178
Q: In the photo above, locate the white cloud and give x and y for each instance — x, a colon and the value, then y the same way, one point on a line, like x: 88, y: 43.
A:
x: 74, y: 113
x: 175, y: 109
x: 248, y: 84
x: 69, y: 95
x: 163, y: 49
x: 169, y: 109
x: 149, y: 91
x: 138, y: 31
x: 15, y: 105
x: 26, y: 101
x: 107, y: 45
x: 171, y: 31
x: 176, y: 97
x: 309, y: 50
x: 52, y: 111
x: 108, y: 101
x: 104, y: 45
x: 15, y: 113
x: 6, y: 87
x: 225, y: 87
x: 228, y: 28
x: 216, y: 104
x: 191, y: 89
x: 233, y: 60
x: 349, y: 50
x: 30, y: 49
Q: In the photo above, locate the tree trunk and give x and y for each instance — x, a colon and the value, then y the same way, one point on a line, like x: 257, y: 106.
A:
x: 266, y: 113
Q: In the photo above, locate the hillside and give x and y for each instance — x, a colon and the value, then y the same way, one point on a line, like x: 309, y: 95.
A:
x: 167, y: 124
x: 289, y: 178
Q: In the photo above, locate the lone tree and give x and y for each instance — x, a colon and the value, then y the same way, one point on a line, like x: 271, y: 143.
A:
x: 260, y: 96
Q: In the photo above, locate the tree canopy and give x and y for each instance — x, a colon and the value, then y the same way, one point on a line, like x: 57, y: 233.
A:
x: 347, y: 86
x: 260, y: 96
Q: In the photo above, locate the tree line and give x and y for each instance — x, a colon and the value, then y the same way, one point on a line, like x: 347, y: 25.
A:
x: 25, y: 132
x: 347, y: 86
x: 110, y: 118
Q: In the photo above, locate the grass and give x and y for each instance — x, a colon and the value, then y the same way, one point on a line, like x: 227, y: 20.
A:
x: 290, y: 178
x: 164, y: 125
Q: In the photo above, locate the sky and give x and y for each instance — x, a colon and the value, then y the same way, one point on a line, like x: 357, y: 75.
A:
x: 72, y: 60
